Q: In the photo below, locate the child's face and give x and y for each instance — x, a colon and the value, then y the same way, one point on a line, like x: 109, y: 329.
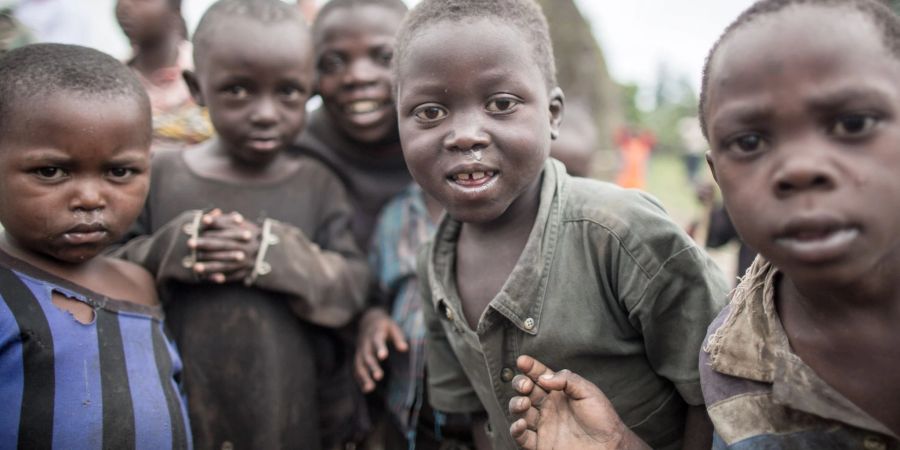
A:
x: 473, y: 88
x: 355, y: 47
x: 255, y: 82
x: 805, y: 142
x: 74, y: 174
x: 145, y: 20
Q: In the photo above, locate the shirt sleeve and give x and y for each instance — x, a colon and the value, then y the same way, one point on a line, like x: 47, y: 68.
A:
x: 164, y: 252
x: 449, y: 389
x: 325, y: 278
x: 672, y: 291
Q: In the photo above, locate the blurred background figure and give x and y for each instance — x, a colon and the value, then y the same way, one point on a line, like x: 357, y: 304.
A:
x: 635, y: 146
x: 161, y: 51
x: 695, y: 147
x: 60, y: 21
x: 309, y: 9
x: 12, y: 33
x: 578, y: 142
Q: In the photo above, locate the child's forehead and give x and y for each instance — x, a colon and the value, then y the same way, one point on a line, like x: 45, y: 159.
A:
x: 460, y: 38
x: 249, y: 40
x: 357, y: 19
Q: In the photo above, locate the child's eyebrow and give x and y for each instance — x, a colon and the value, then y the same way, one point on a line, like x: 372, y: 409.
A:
x: 847, y: 94
x: 46, y: 156
x: 740, y: 113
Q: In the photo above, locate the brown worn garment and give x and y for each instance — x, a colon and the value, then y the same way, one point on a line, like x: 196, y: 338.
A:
x: 251, y: 354
x: 371, y: 180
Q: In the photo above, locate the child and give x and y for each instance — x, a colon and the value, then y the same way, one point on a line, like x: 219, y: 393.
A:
x: 158, y: 37
x: 84, y: 361
x: 355, y: 130
x: 804, y: 145
x: 530, y: 260
x: 253, y: 282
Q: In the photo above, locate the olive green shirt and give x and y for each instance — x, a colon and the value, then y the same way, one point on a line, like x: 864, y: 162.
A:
x: 606, y: 286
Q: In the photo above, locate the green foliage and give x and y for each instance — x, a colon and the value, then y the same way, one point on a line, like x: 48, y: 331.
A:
x: 672, y: 99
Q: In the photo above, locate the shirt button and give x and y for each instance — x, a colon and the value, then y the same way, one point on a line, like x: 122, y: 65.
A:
x: 449, y: 313
x: 874, y: 443
x: 529, y: 324
x: 507, y: 374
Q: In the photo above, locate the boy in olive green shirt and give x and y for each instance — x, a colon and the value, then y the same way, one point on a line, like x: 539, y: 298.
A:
x: 579, y: 273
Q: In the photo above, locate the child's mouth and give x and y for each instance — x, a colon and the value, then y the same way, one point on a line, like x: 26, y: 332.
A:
x: 818, y: 242
x: 366, y: 112
x: 473, y: 179
x: 85, y: 234
x: 263, y: 144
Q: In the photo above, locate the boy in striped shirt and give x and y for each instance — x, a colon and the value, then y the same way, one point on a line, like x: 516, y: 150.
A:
x: 84, y: 361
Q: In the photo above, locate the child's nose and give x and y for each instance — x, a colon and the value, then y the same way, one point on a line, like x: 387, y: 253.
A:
x: 809, y: 171
x: 361, y: 71
x: 466, y: 133
x: 265, y: 112
x: 88, y: 196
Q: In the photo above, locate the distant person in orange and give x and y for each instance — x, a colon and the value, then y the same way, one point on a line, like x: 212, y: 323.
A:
x: 635, y: 146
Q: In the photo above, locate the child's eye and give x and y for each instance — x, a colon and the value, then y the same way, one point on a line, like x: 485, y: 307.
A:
x: 50, y: 173
x: 121, y: 173
x: 291, y: 93
x: 236, y: 91
x: 383, y: 56
x: 502, y: 105
x: 430, y: 113
x: 747, y: 143
x: 331, y: 63
x: 854, y: 125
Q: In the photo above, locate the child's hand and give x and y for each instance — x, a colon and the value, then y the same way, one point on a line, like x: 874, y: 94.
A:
x: 375, y: 328
x: 226, y: 247
x: 563, y: 410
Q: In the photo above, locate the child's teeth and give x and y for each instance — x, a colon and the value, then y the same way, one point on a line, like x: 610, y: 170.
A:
x: 477, y: 175
x: 463, y: 176
x: 363, y: 106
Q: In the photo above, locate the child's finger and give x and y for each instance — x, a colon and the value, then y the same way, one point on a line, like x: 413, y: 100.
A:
x: 224, y: 267
x: 532, y: 367
x: 212, y: 244
x: 366, y: 383
x: 371, y: 362
x: 575, y: 387
x: 234, y: 234
x: 236, y: 255
x: 397, y: 338
x: 522, y: 384
x: 379, y: 340
x: 525, y: 438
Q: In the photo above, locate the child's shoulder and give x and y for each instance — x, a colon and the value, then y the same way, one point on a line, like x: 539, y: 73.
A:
x: 618, y: 210
x: 128, y: 281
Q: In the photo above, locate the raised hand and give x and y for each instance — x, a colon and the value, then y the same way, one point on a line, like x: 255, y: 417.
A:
x: 375, y: 329
x: 226, y: 247
x: 562, y: 410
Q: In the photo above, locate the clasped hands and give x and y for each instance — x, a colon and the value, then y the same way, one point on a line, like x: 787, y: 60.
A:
x: 226, y: 246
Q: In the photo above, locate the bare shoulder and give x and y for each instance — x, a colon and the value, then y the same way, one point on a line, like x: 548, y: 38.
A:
x: 131, y: 282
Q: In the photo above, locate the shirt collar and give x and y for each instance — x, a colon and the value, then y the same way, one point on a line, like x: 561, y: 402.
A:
x: 521, y: 299
x: 753, y: 344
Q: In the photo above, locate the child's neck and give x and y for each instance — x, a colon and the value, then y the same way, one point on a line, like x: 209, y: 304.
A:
x: 156, y: 54
x: 69, y: 271
x: 487, y: 253
x: 849, y: 339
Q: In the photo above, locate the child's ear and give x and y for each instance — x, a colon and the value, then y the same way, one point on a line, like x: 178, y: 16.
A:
x: 712, y: 165
x: 190, y: 78
x: 557, y: 109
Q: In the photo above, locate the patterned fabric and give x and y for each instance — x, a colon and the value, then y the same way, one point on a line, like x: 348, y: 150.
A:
x: 177, y: 120
x: 760, y: 394
x: 404, y: 226
x: 111, y: 383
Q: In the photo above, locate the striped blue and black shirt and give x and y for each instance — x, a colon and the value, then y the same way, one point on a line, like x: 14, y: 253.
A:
x: 111, y: 383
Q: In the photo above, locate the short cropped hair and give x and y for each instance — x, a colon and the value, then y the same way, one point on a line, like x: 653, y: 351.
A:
x: 40, y: 70
x: 397, y: 6
x: 886, y: 21
x: 262, y: 11
x: 524, y: 15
